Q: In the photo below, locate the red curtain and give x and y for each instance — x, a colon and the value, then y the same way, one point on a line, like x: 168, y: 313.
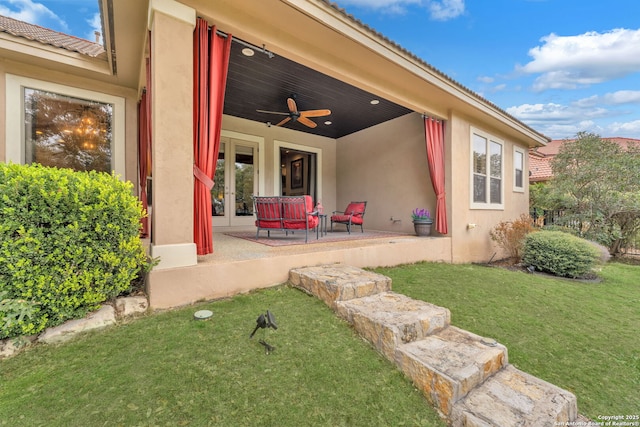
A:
x: 434, y: 136
x: 142, y: 161
x: 144, y: 142
x: 210, y: 65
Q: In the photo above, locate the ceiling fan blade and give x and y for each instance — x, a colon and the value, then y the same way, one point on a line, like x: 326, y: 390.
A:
x: 273, y: 112
x: 307, y: 122
x: 283, y: 121
x: 315, y: 113
x: 292, y: 105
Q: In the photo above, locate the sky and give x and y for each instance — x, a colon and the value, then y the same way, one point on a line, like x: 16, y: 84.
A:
x: 560, y: 66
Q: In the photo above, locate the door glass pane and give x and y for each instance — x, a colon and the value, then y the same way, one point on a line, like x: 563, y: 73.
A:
x: 67, y: 132
x: 244, y: 180
x: 217, y: 192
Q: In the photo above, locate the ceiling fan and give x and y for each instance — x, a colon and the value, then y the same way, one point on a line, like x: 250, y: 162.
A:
x: 298, y: 116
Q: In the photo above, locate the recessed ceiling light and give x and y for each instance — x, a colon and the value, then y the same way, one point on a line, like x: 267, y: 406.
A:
x: 328, y: 122
x: 374, y: 102
x: 248, y: 51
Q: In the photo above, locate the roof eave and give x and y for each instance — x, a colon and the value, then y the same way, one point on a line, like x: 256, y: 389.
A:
x: 18, y: 48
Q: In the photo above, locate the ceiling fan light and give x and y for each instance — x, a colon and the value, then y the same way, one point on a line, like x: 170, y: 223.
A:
x: 328, y: 122
x: 374, y: 102
x: 248, y: 51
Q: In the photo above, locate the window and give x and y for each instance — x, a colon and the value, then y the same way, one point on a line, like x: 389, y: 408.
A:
x: 61, y: 126
x: 518, y: 169
x: 487, y: 171
x: 66, y: 132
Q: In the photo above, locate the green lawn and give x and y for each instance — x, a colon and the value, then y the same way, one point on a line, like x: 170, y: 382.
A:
x: 583, y: 337
x: 170, y: 370
x: 167, y: 369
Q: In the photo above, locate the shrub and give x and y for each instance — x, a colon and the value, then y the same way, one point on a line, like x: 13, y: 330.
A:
x: 603, y: 252
x: 68, y: 242
x: 509, y: 235
x: 560, y: 253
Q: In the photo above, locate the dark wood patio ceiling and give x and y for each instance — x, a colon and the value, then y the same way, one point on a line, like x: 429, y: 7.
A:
x: 259, y: 82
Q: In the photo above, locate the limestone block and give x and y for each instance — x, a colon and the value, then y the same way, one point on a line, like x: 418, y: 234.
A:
x: 130, y: 306
x: 449, y: 364
x: 102, y: 318
x: 389, y: 319
x: 512, y: 397
x: 336, y: 282
x: 8, y: 348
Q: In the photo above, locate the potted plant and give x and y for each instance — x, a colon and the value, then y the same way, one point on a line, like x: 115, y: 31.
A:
x: 422, y: 221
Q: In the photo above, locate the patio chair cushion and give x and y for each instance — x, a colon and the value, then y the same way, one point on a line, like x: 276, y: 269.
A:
x: 358, y: 220
x: 296, y: 215
x: 355, y: 212
x: 269, y: 210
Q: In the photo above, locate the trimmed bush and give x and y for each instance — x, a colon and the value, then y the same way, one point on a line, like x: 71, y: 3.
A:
x: 560, y: 253
x: 68, y: 242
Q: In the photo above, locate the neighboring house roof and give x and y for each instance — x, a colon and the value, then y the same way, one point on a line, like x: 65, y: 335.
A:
x: 540, y: 157
x: 49, y: 37
x: 540, y: 169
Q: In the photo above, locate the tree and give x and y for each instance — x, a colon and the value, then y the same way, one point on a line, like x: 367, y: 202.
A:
x: 598, y: 182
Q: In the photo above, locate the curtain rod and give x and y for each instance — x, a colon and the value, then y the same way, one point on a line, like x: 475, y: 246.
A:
x: 249, y: 45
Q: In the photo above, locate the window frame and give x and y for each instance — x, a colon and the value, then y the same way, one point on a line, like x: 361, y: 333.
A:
x: 489, y: 139
x: 518, y: 150
x: 15, y: 145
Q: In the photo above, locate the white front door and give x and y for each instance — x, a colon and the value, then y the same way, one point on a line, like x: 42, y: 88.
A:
x: 236, y: 180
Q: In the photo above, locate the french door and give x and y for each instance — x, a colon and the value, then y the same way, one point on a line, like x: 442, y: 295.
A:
x: 236, y: 180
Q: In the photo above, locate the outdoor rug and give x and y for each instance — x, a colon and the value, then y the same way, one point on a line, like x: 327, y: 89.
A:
x: 278, y: 238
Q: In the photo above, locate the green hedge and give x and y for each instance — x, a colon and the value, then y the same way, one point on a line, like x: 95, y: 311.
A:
x: 68, y: 242
x: 560, y: 253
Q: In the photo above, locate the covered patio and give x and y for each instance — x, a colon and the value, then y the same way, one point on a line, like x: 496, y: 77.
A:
x: 239, y: 265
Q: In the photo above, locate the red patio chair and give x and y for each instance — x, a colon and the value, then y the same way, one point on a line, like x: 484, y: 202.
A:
x: 353, y: 215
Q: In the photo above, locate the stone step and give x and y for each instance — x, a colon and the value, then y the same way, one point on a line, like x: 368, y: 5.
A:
x: 449, y: 364
x: 514, y: 398
x: 388, y: 319
x: 338, y: 282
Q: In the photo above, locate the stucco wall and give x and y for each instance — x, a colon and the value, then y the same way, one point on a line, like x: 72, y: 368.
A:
x: 472, y: 242
x: 386, y: 165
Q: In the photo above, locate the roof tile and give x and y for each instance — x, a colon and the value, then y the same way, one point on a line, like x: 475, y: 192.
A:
x: 49, y: 37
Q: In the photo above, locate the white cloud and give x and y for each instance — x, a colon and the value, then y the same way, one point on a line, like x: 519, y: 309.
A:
x: 439, y: 10
x: 32, y: 12
x: 565, y: 121
x: 568, y: 62
x: 629, y: 129
x: 486, y: 79
x: 446, y: 9
x: 96, y: 25
x: 543, y: 113
x: 620, y: 97
x: 560, y: 121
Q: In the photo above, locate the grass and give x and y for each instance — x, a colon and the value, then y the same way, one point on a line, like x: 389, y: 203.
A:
x: 167, y: 369
x: 583, y: 337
